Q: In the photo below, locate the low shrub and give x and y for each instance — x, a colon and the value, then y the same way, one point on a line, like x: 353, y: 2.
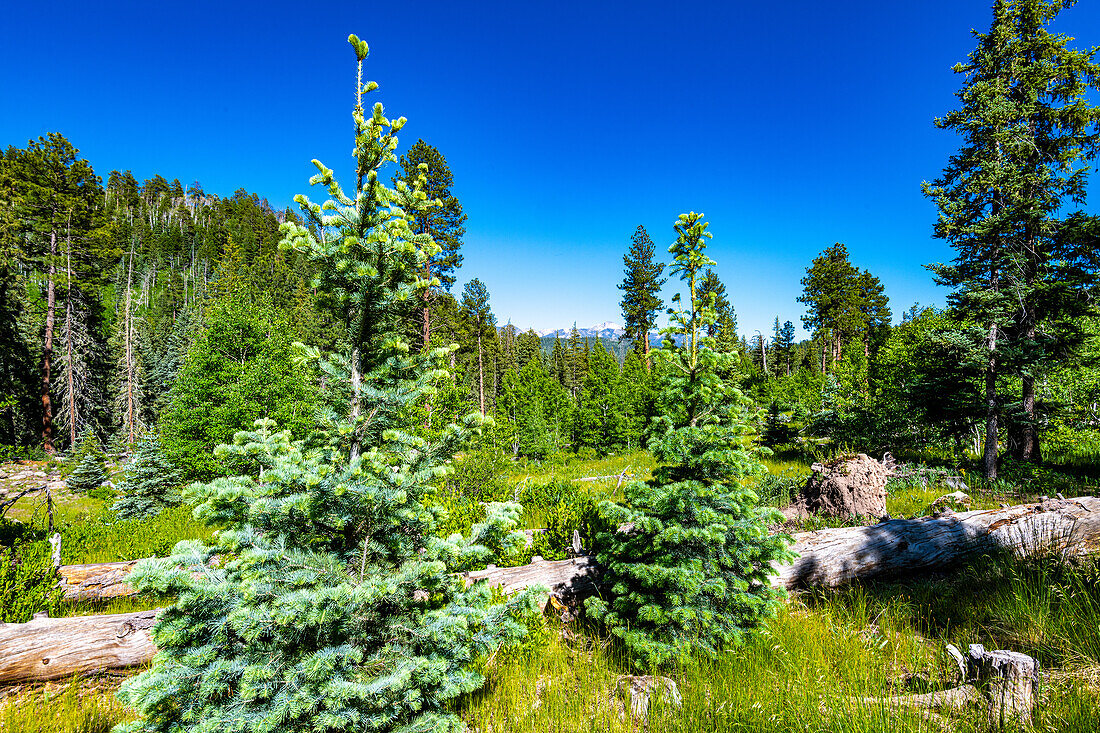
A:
x: 28, y: 580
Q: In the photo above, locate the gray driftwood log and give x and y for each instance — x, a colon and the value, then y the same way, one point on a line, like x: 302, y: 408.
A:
x: 833, y: 557
x: 829, y: 557
x: 95, y: 580
x: 55, y: 648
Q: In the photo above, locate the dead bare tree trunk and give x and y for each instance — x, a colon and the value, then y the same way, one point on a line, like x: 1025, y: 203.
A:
x: 47, y: 348
x: 480, y: 374
x: 73, y: 417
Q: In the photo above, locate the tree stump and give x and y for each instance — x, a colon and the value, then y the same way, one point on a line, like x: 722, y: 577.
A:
x: 844, y: 487
x: 1010, y: 681
x: 641, y: 688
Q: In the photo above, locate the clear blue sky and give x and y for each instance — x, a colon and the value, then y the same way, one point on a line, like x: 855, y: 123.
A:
x: 566, y: 124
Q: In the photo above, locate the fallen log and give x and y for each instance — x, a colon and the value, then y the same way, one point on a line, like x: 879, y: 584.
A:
x: 55, y: 648
x: 833, y: 557
x: 828, y: 557
x: 96, y: 580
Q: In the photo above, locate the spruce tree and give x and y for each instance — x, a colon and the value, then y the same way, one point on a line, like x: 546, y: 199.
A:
x: 445, y: 223
x: 688, y: 556
x: 324, y: 602
x: 480, y: 327
x: 149, y: 484
x: 641, y: 291
x: 1028, y: 129
x: 90, y: 462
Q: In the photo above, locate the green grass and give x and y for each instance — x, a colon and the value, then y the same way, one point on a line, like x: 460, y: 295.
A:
x: 813, y: 667
x: 809, y: 671
x: 98, y: 536
x: 67, y: 710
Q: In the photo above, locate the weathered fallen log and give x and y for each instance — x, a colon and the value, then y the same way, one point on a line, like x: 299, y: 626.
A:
x: 829, y: 558
x: 96, y: 580
x: 833, y: 557
x: 54, y: 648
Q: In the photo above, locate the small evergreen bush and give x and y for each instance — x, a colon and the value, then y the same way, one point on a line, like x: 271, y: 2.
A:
x: 89, y: 463
x: 687, y: 558
x: 150, y: 483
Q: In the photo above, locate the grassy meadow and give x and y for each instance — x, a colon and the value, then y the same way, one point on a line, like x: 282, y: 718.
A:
x: 823, y: 664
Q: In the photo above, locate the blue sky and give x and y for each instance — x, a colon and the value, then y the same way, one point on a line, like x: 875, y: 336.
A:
x: 566, y: 124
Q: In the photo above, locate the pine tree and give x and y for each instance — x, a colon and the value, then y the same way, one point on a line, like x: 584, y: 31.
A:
x: 1028, y: 130
x: 692, y: 572
x: 783, y: 344
x: 57, y: 192
x: 444, y: 223
x: 90, y: 462
x: 724, y: 328
x: 150, y: 482
x: 330, y: 606
x: 641, y: 291
x: 600, y: 420
x: 481, y: 325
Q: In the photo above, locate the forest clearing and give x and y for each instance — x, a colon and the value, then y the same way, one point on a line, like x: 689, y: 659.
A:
x: 260, y: 470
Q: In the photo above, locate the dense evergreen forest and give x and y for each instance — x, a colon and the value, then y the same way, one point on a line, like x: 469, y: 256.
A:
x: 146, y: 306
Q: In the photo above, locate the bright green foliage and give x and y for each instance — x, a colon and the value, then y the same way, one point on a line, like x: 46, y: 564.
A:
x: 689, y: 570
x: 539, y: 410
x: 842, y: 302
x: 150, y: 484
x: 325, y: 603
x: 240, y: 368
x: 90, y: 462
x: 600, y: 419
x: 28, y: 580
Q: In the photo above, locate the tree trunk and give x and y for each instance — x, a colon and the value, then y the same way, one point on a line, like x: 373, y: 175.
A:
x: 69, y: 341
x: 480, y: 375
x: 828, y: 557
x: 130, y: 375
x: 645, y: 349
x: 989, y: 455
x: 95, y: 581
x: 58, y: 648
x: 426, y: 329
x: 833, y: 557
x: 1029, y: 434
x: 47, y: 348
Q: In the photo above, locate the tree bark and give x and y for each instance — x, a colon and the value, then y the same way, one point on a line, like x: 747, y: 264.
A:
x: 989, y: 454
x: 73, y: 417
x: 827, y: 557
x: 96, y: 581
x: 58, y: 648
x: 480, y: 374
x: 47, y: 348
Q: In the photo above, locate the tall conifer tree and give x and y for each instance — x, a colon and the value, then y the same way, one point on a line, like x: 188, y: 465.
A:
x: 691, y: 573
x: 641, y: 291
x: 325, y: 602
x: 445, y: 223
x: 1028, y: 129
